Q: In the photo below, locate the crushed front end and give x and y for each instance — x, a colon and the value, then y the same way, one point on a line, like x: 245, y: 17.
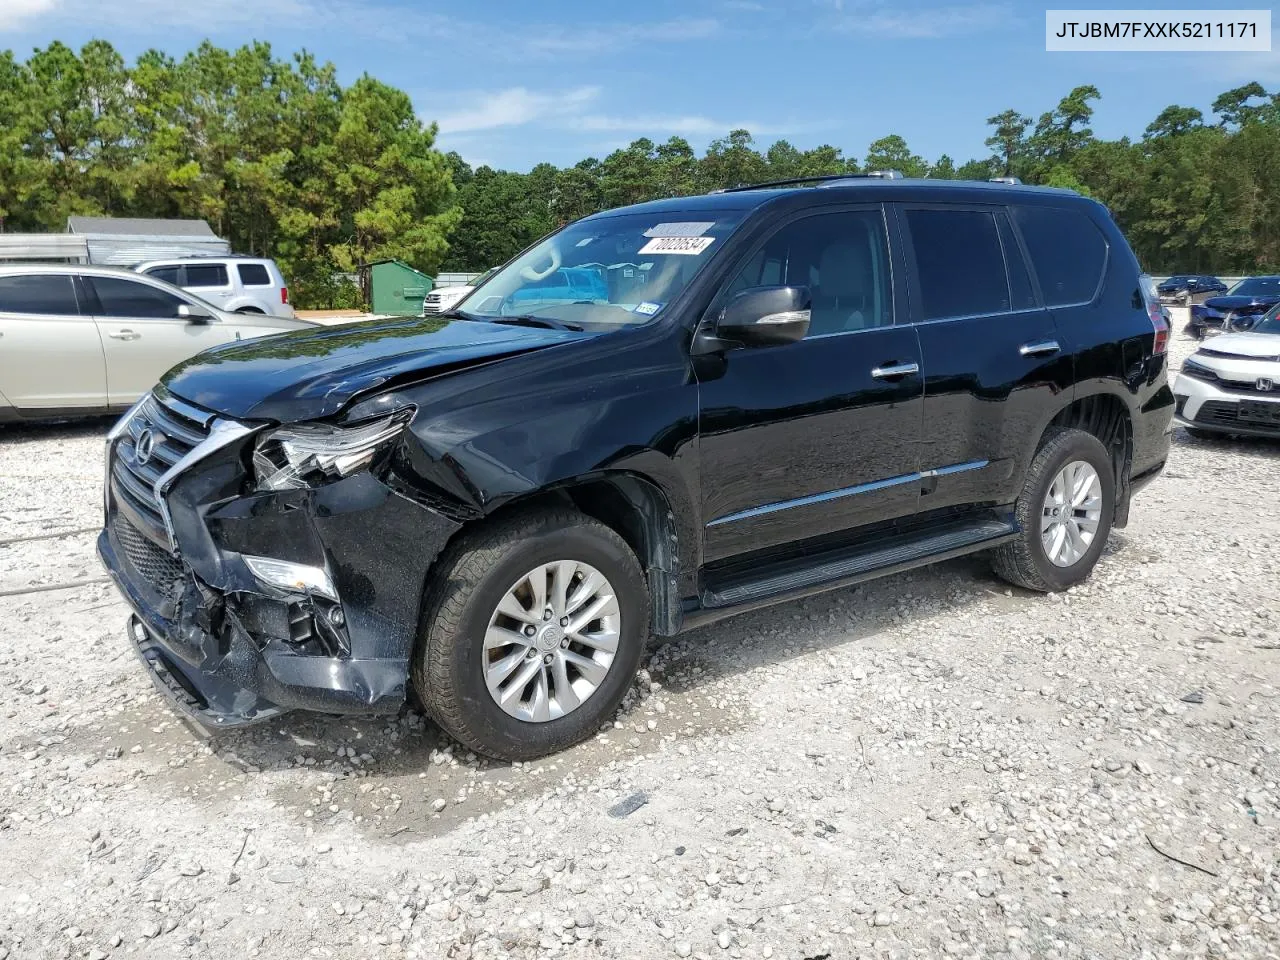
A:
x: 263, y: 581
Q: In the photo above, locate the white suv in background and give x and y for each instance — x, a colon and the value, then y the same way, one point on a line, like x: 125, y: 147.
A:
x: 238, y: 284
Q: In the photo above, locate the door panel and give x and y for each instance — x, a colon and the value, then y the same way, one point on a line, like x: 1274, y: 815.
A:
x: 995, y: 360
x: 802, y: 440
x: 50, y: 356
x: 142, y: 335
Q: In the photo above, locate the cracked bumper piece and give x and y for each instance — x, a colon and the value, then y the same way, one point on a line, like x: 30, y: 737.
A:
x: 250, y: 602
x: 230, y: 678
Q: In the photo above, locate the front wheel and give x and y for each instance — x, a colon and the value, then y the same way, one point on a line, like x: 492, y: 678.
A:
x: 532, y: 632
x: 1065, y: 512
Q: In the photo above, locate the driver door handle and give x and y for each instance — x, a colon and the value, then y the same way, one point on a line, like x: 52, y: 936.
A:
x: 891, y: 371
x: 1041, y: 348
x: 124, y: 335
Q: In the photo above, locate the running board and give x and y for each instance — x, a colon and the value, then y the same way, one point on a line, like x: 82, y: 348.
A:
x: 844, y: 565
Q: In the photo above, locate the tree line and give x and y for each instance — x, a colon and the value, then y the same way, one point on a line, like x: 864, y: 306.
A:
x: 284, y: 161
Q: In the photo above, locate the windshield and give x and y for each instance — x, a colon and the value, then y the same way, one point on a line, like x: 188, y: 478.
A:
x: 1256, y: 287
x: 606, y: 272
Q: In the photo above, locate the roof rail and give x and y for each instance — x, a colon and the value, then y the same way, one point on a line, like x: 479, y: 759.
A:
x: 830, y: 178
x: 1012, y: 181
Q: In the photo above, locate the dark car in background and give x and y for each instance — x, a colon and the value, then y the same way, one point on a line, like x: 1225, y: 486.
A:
x: 1237, y: 310
x: 1189, y: 288
x: 796, y: 388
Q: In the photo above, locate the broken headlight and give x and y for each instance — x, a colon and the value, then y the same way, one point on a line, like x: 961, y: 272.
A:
x: 310, y: 455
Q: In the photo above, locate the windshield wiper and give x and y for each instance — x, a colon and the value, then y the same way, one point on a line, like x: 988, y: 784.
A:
x: 528, y: 320
x: 456, y: 315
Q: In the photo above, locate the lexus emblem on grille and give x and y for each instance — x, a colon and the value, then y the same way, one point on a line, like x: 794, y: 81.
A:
x: 144, y: 446
x: 1264, y: 384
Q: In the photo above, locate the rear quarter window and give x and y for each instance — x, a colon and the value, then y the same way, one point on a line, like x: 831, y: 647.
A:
x: 254, y: 275
x: 1068, y: 252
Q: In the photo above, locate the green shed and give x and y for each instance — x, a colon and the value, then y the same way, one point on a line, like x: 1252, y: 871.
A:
x: 395, y: 288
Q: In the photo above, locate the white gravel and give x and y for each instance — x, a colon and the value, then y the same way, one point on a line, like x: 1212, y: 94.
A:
x: 926, y: 765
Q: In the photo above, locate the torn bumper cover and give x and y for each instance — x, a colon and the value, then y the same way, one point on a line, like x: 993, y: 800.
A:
x: 222, y: 641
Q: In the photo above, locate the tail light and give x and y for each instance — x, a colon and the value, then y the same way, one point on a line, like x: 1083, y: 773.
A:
x: 284, y: 294
x: 1159, y: 323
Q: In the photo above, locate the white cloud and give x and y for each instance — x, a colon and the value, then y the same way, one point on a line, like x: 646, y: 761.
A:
x: 19, y: 13
x: 515, y: 107
x: 572, y: 110
x: 924, y: 22
x: 692, y: 125
x: 600, y: 38
x: 380, y: 20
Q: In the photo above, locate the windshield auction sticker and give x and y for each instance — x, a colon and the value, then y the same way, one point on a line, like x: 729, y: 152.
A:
x: 685, y: 246
x: 689, y: 228
x: 1154, y: 31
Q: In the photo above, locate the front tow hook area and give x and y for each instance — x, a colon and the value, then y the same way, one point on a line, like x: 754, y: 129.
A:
x: 211, y: 703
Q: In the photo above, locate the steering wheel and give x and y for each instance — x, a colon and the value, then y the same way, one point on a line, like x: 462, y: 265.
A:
x: 529, y: 273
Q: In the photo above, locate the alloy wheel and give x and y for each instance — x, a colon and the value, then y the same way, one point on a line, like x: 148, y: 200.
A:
x: 551, y: 640
x: 1071, y: 513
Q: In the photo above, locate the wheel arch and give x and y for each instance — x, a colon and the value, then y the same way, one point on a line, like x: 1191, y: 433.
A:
x: 639, y: 510
x: 1108, y: 417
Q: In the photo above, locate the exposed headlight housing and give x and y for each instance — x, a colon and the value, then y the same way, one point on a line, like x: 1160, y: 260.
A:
x: 311, y: 455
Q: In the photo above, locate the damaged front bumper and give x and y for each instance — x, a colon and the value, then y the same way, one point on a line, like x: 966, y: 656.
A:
x: 226, y: 645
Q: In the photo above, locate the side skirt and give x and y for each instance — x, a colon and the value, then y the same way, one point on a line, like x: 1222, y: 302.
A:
x: 729, y: 593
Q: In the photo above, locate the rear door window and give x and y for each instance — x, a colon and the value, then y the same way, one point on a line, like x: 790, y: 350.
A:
x: 959, y: 263
x: 1068, y: 252
x: 253, y: 275
x: 50, y: 294
x: 205, y: 275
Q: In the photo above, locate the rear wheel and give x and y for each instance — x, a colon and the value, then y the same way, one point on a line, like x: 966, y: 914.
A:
x: 532, y: 632
x: 1065, y: 511
x: 250, y: 310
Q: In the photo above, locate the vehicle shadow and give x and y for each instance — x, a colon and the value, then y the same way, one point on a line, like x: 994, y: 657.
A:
x: 1267, y: 447
x: 688, y: 668
x: 22, y: 431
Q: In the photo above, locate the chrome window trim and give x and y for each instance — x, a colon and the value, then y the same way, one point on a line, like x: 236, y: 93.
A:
x: 843, y: 492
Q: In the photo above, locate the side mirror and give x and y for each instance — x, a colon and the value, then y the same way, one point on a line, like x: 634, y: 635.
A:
x: 193, y: 314
x: 765, y: 316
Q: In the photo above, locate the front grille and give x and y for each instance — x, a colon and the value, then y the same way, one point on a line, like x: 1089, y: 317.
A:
x: 173, y: 429
x: 1224, y: 413
x: 1221, y: 412
x: 154, y: 565
x: 1251, y: 386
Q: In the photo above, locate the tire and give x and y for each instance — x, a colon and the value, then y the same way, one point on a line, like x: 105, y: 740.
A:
x: 451, y: 661
x: 251, y: 310
x: 1025, y: 562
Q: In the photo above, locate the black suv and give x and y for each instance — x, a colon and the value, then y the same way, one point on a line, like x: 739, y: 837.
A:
x: 656, y: 417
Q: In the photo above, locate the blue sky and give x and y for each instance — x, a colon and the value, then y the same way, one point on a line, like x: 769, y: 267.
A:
x: 513, y: 83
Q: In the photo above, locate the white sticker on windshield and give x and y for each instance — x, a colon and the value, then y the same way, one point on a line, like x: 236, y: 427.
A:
x: 584, y: 241
x: 691, y: 228
x: 648, y: 308
x: 684, y: 246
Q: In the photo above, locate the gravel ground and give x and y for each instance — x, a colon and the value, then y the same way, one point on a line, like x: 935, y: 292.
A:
x: 927, y: 765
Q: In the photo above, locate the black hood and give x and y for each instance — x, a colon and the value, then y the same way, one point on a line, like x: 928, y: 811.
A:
x: 1225, y: 303
x: 307, y: 374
